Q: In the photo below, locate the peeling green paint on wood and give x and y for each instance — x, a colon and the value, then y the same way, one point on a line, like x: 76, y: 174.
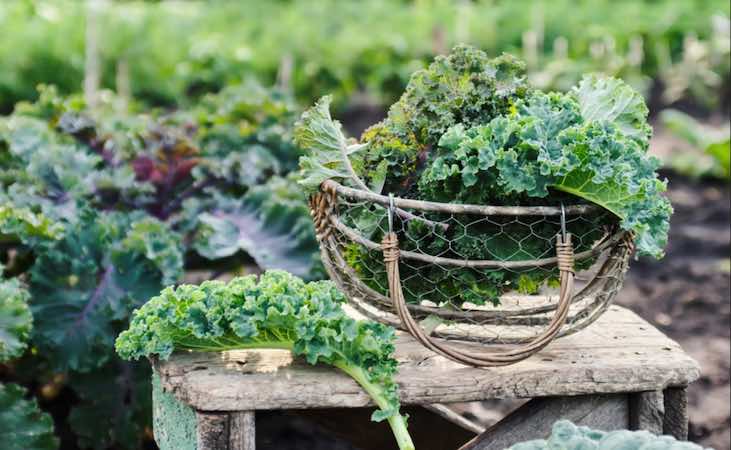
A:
x: 174, y: 422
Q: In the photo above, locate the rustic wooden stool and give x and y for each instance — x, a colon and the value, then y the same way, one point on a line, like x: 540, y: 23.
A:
x: 620, y: 372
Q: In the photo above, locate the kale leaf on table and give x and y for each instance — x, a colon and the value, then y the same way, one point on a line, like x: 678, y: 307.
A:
x: 278, y: 311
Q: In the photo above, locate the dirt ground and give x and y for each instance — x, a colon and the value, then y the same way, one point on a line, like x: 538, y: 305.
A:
x: 686, y: 295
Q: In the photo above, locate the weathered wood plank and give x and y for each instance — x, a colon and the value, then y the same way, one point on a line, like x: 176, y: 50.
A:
x: 676, y: 413
x: 242, y: 431
x: 619, y: 353
x: 535, y: 419
x: 647, y: 411
x: 212, y: 431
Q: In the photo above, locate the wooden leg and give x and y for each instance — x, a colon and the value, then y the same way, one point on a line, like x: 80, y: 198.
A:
x: 535, y: 419
x: 647, y: 411
x: 212, y: 431
x: 676, y: 413
x: 225, y: 431
x: 243, y: 431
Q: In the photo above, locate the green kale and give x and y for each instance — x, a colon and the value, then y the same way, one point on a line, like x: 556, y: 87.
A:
x: 16, y: 320
x: 465, y: 87
x: 277, y: 311
x: 560, y: 142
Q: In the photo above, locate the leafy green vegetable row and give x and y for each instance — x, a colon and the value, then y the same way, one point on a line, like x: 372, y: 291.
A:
x: 102, y: 208
x: 346, y: 47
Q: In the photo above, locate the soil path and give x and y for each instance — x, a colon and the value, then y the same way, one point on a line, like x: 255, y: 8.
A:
x: 686, y: 295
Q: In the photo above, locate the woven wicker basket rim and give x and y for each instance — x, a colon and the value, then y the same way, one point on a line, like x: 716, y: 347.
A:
x: 487, y: 210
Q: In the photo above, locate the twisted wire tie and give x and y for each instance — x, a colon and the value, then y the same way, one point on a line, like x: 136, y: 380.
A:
x: 391, y: 251
x: 321, y: 206
x: 565, y: 255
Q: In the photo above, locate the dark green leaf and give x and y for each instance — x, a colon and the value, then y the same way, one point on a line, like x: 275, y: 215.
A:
x: 23, y: 426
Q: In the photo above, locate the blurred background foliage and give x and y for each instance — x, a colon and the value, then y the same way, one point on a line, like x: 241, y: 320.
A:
x: 159, y: 134
x: 169, y: 53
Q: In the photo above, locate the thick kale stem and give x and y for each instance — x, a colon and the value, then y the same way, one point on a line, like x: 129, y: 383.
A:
x: 396, y: 421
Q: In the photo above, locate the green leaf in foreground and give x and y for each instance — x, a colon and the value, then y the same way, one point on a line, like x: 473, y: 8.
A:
x: 277, y: 311
x: 567, y: 436
x: 16, y: 320
x: 23, y: 426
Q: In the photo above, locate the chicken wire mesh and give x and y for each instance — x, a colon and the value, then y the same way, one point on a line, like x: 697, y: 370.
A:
x: 470, y: 273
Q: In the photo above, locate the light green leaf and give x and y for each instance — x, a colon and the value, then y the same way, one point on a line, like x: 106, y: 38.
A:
x: 26, y: 225
x: 325, y: 145
x: 16, y: 320
x: 609, y: 99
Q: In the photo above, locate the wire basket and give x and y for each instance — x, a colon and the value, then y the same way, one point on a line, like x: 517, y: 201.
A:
x: 453, y: 275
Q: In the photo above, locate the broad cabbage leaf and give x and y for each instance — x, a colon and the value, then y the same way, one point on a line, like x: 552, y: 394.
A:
x: 23, y: 426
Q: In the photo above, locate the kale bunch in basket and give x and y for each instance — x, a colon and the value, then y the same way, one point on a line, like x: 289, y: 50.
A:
x: 470, y: 130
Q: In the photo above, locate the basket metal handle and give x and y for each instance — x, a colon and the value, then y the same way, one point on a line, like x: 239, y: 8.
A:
x: 473, y: 357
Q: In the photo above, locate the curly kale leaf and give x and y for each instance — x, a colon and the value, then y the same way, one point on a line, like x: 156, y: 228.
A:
x: 567, y: 436
x: 16, y: 321
x: 609, y: 99
x: 548, y: 144
x: 271, y: 223
x: 26, y: 225
x: 326, y: 147
x: 464, y: 87
x: 277, y: 311
x: 23, y: 426
x: 105, y: 265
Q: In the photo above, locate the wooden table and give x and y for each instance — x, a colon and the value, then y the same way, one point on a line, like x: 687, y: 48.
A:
x: 620, y: 372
